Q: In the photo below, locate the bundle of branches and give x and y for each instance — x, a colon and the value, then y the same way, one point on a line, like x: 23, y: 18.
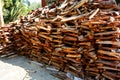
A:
x: 79, y: 37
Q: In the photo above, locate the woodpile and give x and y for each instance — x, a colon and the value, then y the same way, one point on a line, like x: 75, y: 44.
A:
x: 105, y: 61
x: 1, y: 39
x: 78, y: 37
x: 6, y: 46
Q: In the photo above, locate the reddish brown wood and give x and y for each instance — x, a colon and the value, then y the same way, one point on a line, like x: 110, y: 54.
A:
x: 77, y: 37
x: 43, y: 3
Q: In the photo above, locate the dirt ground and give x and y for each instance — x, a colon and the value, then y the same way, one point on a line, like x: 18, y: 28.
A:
x: 21, y: 68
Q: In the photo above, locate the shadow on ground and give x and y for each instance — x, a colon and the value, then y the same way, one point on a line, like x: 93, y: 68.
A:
x: 34, y: 72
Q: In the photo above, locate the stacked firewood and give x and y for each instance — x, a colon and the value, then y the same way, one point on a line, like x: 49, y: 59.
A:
x: 106, y: 62
x: 5, y: 43
x: 78, y: 37
x: 1, y: 39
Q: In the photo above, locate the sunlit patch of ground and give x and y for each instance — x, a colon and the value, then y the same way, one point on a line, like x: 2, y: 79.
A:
x: 20, y: 68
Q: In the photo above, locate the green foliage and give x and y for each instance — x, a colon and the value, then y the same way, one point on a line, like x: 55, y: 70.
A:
x: 35, y: 5
x: 12, y: 9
